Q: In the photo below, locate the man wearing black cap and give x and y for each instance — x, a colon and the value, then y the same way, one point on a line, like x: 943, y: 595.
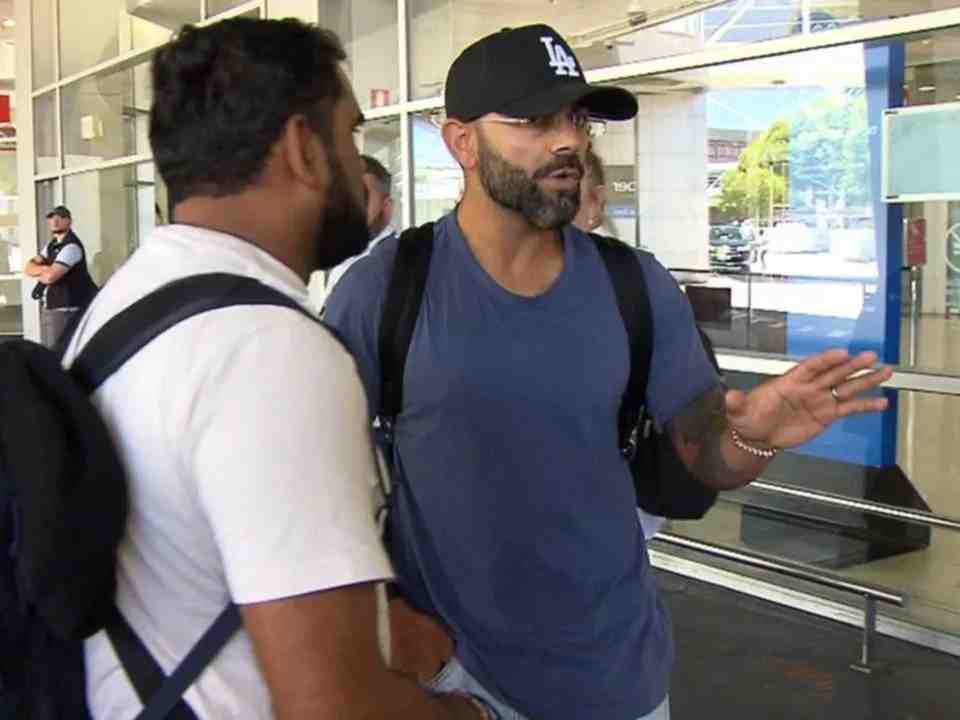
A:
x: 514, y: 518
x: 64, y: 285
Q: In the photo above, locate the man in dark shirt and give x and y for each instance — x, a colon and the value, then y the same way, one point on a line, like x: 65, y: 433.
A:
x: 64, y: 286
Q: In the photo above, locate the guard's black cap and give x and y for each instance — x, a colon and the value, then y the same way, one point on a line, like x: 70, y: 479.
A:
x: 525, y: 72
x: 61, y: 211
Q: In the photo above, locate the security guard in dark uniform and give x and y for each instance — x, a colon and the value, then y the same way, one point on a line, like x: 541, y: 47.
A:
x: 64, y: 286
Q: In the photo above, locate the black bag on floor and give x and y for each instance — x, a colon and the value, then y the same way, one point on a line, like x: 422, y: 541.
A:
x: 664, y: 486
x: 63, y: 506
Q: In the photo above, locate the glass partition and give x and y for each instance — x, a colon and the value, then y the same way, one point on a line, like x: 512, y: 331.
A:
x: 437, y: 178
x: 106, y: 116
x: 368, y: 29
x: 95, y: 32
x: 113, y: 211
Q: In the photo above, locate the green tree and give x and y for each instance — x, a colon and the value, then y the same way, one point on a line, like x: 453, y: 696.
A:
x: 817, y: 158
x: 758, y: 183
x: 830, y: 153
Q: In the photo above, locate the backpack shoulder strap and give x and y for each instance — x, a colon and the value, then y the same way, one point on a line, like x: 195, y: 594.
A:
x: 630, y: 287
x: 401, y: 308
x: 115, y: 343
x: 162, y: 696
x: 133, y: 328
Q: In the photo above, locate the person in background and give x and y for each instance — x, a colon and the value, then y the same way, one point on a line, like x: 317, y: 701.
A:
x: 377, y: 183
x: 592, y: 215
x: 64, y: 285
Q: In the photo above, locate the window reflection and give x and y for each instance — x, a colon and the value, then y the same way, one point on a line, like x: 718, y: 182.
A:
x: 94, y: 32
x: 113, y: 211
x: 106, y: 116
x: 437, y: 178
x: 368, y: 29
x: 759, y: 184
x: 215, y: 7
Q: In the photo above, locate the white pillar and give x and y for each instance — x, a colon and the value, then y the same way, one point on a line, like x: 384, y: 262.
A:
x: 27, y: 200
x: 672, y: 179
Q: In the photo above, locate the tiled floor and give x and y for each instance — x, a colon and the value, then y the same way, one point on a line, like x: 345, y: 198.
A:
x: 745, y: 659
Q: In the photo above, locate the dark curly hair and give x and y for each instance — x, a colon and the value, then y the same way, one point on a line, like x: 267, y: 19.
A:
x: 223, y: 93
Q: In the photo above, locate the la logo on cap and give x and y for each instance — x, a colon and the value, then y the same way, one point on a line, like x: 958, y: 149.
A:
x: 562, y: 63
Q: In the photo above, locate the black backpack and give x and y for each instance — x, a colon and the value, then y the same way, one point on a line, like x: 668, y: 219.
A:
x: 63, y: 506
x: 664, y: 486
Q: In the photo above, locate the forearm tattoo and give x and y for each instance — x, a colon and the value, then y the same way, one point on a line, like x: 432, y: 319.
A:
x: 698, y: 432
x: 704, y: 416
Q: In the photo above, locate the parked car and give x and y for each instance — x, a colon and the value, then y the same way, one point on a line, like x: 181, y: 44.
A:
x: 729, y: 250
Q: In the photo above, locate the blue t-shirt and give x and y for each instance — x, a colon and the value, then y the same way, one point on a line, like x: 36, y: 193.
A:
x: 515, y: 519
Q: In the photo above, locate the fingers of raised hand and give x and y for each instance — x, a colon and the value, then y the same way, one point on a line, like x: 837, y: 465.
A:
x: 841, y: 373
x: 860, y: 406
x: 846, y: 389
x: 811, y: 369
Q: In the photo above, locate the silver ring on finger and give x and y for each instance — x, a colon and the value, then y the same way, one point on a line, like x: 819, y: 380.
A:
x: 836, y: 395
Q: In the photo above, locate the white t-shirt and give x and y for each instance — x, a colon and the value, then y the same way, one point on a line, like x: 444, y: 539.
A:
x: 245, y: 437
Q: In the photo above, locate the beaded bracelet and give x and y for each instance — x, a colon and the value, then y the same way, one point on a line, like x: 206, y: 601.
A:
x: 739, y: 442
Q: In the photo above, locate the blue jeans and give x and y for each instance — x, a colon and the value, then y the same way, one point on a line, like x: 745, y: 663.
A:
x: 453, y: 676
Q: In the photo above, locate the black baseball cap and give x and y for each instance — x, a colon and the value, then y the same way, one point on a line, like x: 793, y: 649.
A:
x: 525, y: 72
x: 61, y: 211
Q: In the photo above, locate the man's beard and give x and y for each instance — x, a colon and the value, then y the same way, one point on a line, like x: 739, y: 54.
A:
x: 511, y: 187
x: 343, y: 232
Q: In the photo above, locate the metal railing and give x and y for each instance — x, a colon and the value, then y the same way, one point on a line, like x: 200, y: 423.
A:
x: 871, y: 594
x: 865, y: 506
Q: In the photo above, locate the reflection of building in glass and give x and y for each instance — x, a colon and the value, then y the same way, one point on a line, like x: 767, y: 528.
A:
x: 721, y: 149
x: 747, y: 21
x: 724, y: 148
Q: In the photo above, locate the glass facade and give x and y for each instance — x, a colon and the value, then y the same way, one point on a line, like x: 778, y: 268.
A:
x: 437, y: 178
x: 381, y: 141
x: 757, y: 180
x: 791, y: 246
x: 369, y: 33
x: 46, y: 138
x: 94, y: 33
x: 44, y: 57
x: 431, y: 45
x: 113, y: 210
x: 101, y: 117
x: 215, y: 7
x: 48, y: 197
x: 106, y: 116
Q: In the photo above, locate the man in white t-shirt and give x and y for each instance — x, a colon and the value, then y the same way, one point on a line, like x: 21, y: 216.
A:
x: 244, y: 430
